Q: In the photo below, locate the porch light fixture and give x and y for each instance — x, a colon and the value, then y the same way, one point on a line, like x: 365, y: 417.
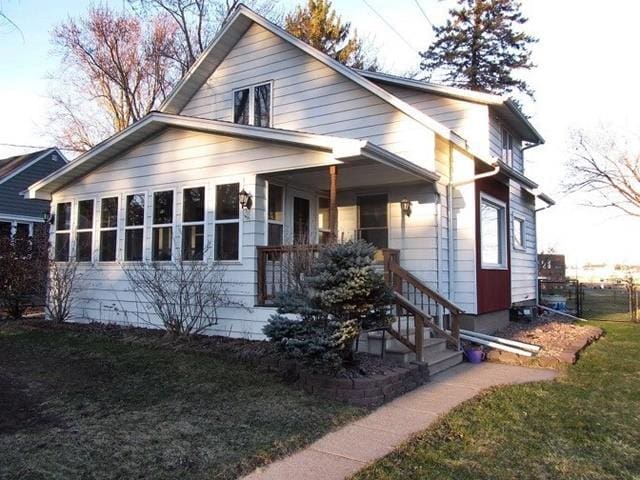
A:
x: 405, y: 206
x: 245, y: 199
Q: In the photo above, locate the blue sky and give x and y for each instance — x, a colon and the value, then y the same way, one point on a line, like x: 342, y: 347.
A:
x: 586, y: 77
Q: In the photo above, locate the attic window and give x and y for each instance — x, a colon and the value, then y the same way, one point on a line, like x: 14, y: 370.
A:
x: 507, y: 147
x: 252, y: 105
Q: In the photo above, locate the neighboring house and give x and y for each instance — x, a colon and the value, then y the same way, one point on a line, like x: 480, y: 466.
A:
x: 18, y: 215
x: 322, y: 150
x: 552, y: 267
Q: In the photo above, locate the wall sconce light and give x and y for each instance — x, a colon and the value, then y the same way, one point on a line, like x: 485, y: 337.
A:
x: 47, y: 217
x: 405, y: 206
x: 245, y: 199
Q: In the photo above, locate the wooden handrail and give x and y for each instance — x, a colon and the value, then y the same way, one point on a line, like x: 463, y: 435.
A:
x: 418, y: 284
x: 395, y: 275
x: 427, y: 319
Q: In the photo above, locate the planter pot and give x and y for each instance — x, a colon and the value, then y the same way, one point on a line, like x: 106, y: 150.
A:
x: 475, y: 356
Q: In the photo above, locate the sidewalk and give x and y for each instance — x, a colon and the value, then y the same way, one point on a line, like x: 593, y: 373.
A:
x: 342, y: 453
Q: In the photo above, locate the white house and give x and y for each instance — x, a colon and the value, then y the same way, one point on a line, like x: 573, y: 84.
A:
x: 310, y: 141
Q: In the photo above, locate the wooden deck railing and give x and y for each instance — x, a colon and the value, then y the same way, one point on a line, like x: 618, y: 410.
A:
x: 282, y: 268
x: 428, y: 307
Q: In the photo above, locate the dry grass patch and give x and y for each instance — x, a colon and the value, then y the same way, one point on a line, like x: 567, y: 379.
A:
x: 86, y: 404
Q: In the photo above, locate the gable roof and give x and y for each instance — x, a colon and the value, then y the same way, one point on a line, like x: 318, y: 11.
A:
x: 12, y: 166
x: 343, y: 149
x: 504, y: 106
x: 237, y: 23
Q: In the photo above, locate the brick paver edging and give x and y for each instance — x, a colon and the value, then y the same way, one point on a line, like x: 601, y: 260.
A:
x: 366, y: 391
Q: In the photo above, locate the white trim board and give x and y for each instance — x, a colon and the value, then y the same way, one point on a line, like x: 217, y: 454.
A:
x: 343, y: 149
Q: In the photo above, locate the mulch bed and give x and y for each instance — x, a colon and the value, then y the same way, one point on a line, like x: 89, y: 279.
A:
x: 561, y: 340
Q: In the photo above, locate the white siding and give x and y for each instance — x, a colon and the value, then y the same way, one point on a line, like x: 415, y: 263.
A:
x: 467, y: 119
x: 495, y: 143
x: 464, y: 231
x: 173, y: 160
x: 415, y: 236
x: 523, y: 261
x: 309, y: 96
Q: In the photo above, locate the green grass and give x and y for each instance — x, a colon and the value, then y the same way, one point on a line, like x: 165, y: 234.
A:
x: 584, y: 425
x: 86, y: 405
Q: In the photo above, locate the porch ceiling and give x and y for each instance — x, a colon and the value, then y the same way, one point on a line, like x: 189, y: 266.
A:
x: 353, y: 174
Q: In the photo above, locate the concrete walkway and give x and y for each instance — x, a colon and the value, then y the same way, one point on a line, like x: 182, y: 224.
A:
x: 342, y: 453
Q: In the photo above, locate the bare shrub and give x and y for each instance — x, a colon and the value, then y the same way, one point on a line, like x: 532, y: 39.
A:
x: 185, y: 295
x: 60, y: 294
x: 23, y: 266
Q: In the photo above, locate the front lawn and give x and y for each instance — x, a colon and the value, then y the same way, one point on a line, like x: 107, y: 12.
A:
x: 585, y: 425
x: 82, y: 404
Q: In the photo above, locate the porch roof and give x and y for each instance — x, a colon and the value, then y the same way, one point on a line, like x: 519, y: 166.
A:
x: 344, y: 150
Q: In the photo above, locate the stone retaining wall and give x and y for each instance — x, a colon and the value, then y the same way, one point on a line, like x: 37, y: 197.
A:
x: 366, y: 391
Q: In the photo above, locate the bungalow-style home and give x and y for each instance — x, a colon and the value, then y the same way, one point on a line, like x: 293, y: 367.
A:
x: 20, y: 216
x: 266, y: 143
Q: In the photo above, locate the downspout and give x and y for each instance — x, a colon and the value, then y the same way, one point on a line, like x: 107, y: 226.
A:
x: 438, y: 215
x: 450, y: 187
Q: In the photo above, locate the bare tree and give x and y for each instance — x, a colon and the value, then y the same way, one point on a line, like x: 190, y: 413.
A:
x: 60, y: 292
x: 185, y: 295
x: 115, y: 69
x: 607, y: 167
x: 196, y: 22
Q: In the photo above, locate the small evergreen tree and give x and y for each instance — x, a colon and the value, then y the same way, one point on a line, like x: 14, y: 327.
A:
x: 318, y: 24
x: 480, y: 47
x: 342, y: 296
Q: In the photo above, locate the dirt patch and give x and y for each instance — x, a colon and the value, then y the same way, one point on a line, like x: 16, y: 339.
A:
x: 561, y: 340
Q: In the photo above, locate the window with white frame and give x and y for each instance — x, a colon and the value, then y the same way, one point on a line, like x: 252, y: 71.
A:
x: 507, y: 147
x: 23, y: 230
x: 252, y: 105
x: 324, y: 229
x: 134, y: 227
x: 372, y: 220
x: 162, y: 232
x: 518, y: 233
x: 108, y: 229
x: 193, y: 210
x: 275, y: 215
x: 493, y: 237
x: 84, y: 231
x: 5, y: 230
x: 227, y: 222
x: 63, y: 232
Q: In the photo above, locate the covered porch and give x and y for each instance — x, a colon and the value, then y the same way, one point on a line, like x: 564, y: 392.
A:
x: 387, y: 205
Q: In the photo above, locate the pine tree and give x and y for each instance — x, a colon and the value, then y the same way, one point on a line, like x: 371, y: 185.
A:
x: 481, y: 47
x: 318, y: 25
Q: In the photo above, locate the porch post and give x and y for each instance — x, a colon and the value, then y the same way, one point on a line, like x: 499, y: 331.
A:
x: 333, y: 205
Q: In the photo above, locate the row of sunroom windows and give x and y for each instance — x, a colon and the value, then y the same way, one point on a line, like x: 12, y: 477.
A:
x: 163, y: 222
x: 372, y: 224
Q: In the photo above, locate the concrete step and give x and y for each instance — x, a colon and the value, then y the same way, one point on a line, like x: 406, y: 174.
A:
x: 374, y: 342
x: 432, y: 348
x: 441, y: 361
